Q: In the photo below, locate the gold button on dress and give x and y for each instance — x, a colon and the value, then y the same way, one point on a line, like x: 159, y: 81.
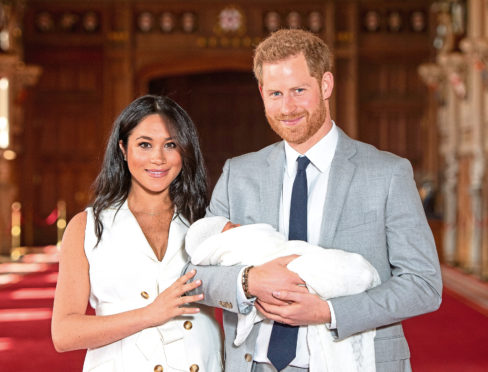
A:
x: 145, y: 295
x: 188, y: 325
x: 194, y: 368
x: 158, y: 368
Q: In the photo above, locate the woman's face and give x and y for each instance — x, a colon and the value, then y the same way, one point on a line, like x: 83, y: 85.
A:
x: 152, y: 156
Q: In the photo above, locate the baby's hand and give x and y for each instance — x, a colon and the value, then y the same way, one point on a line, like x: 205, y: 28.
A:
x: 229, y: 225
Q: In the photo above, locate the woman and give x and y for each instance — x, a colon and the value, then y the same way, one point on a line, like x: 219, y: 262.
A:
x: 125, y: 253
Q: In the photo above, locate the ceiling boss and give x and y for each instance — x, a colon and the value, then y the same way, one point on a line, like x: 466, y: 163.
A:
x: 230, y: 21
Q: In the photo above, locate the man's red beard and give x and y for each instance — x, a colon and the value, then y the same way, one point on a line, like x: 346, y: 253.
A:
x: 301, y: 132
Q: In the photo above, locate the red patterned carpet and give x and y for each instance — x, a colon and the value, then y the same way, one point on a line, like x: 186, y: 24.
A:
x: 455, y: 338
x: 25, y: 321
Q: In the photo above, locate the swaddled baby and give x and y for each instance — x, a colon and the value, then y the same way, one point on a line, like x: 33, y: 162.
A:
x: 327, y: 272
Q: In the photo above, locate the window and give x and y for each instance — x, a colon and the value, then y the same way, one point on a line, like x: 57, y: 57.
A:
x: 4, y: 122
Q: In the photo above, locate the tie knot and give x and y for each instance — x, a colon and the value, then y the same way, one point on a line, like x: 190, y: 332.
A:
x: 303, y: 163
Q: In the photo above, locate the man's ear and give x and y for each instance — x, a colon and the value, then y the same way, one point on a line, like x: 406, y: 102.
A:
x: 327, y: 85
x: 261, y: 90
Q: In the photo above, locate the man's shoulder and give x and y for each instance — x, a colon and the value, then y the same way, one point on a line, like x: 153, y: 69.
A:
x: 369, y: 156
x: 256, y: 158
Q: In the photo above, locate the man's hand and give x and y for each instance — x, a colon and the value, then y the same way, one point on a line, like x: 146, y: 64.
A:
x: 273, y: 276
x: 303, y: 309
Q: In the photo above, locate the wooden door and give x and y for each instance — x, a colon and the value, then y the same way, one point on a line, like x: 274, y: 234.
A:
x: 392, y: 101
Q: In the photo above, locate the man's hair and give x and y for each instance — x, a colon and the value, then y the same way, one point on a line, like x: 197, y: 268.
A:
x: 286, y: 43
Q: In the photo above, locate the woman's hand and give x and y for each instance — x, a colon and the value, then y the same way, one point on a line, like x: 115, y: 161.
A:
x: 171, y: 303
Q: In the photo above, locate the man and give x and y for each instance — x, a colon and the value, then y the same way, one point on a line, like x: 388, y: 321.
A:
x: 321, y: 186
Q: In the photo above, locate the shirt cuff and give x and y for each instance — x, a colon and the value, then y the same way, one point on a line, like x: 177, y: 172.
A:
x: 244, y: 304
x: 332, y: 324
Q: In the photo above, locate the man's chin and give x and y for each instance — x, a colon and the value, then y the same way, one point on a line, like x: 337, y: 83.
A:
x: 292, y: 135
x: 293, y: 138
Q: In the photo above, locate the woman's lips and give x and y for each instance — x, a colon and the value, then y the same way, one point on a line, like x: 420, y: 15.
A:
x: 157, y: 173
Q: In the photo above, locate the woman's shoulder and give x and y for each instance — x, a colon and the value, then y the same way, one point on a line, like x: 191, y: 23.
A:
x: 109, y: 212
x: 75, y: 231
x: 78, y: 221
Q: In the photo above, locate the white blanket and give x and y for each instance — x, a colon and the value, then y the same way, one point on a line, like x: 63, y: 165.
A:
x: 327, y: 272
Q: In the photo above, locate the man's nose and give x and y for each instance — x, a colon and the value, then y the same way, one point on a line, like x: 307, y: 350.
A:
x: 288, y: 104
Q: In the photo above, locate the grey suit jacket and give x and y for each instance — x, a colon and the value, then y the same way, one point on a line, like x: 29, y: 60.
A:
x: 372, y: 208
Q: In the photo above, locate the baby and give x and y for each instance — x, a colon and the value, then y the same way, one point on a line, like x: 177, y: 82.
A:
x: 327, y: 272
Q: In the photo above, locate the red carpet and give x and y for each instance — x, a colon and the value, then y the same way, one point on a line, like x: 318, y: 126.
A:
x: 25, y: 327
x: 453, y: 339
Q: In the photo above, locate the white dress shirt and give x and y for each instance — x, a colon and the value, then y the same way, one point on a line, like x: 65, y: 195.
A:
x: 320, y: 156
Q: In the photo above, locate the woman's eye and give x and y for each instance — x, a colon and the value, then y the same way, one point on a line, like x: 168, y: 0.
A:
x: 144, y: 145
x: 170, y: 145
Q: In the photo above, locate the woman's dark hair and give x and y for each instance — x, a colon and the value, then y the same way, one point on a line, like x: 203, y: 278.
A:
x: 188, y: 191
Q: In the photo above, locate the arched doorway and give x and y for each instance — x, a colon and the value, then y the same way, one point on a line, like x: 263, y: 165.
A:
x: 227, y: 110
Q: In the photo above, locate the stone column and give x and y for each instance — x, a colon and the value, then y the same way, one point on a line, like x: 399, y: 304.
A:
x: 475, y: 49
x: 448, y: 122
x: 19, y: 77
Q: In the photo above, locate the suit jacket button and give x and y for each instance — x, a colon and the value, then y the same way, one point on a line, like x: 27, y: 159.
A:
x: 145, y: 295
x: 248, y: 357
x: 194, y: 368
x: 158, y: 368
x: 187, y: 325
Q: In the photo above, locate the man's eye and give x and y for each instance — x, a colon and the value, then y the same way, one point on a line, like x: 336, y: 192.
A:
x: 275, y: 94
x: 299, y: 90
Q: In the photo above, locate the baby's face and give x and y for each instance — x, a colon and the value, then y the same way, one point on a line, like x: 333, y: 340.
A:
x: 229, y: 225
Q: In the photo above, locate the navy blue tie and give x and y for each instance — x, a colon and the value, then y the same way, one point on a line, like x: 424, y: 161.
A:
x: 282, y: 347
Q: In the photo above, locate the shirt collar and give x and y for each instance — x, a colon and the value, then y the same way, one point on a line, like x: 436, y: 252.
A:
x: 320, y: 154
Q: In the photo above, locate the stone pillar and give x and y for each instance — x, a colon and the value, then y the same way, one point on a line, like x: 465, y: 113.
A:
x: 475, y: 50
x: 19, y: 77
x: 448, y: 122
x: 483, y: 14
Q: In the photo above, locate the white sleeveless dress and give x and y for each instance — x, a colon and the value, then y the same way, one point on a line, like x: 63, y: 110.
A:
x: 125, y: 275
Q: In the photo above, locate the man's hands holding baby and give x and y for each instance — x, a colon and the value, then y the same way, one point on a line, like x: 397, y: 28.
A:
x: 282, y: 295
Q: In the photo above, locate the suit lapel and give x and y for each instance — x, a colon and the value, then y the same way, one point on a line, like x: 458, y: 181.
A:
x: 270, y: 189
x: 340, y: 176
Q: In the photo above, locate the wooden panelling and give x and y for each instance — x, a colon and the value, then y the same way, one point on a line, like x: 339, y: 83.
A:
x: 63, y: 142
x: 391, y: 106
x: 392, y: 98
